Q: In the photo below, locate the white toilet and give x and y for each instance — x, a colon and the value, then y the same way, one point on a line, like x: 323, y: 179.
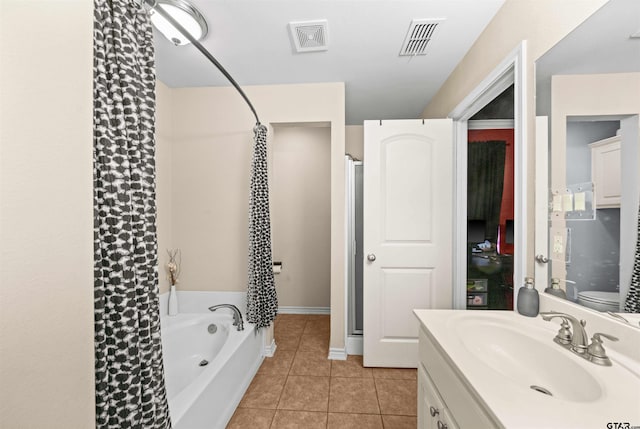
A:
x: 601, y: 301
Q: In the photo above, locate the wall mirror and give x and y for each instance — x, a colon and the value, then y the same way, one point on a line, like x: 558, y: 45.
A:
x: 588, y: 85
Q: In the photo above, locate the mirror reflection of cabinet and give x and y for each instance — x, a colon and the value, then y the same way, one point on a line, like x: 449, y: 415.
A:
x: 605, y: 172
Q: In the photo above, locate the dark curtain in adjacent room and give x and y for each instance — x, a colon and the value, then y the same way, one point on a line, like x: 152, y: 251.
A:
x: 485, y: 181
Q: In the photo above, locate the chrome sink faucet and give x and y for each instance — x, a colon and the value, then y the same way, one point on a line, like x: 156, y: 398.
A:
x: 237, y: 316
x: 577, y: 336
x: 576, y: 339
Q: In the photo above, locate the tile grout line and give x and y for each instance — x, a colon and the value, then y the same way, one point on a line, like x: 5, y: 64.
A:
x: 273, y: 418
x: 375, y: 387
x: 305, y: 323
x: 286, y: 378
x: 281, y: 391
x: 329, y: 397
x: 289, y: 373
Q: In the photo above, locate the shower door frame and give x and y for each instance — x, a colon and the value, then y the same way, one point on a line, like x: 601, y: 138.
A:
x: 352, y: 242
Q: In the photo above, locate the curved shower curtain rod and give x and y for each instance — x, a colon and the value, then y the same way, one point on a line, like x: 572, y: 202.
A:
x: 152, y: 5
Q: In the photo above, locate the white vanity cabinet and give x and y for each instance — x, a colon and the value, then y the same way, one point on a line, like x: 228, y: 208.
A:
x: 605, y: 172
x: 499, y: 369
x: 432, y: 414
x: 445, y: 401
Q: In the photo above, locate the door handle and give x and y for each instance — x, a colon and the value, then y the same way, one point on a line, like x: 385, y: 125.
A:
x: 542, y: 259
x: 371, y: 257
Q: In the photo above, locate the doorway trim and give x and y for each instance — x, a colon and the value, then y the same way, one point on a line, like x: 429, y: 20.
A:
x: 512, y: 70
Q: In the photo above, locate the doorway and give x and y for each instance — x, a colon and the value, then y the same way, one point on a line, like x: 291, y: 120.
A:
x: 511, y: 72
x: 490, y: 212
x: 301, y: 215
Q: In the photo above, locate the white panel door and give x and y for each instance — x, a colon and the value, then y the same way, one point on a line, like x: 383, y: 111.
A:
x: 408, y: 210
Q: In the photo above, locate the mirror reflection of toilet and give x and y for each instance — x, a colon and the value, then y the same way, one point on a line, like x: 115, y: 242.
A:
x: 601, y: 301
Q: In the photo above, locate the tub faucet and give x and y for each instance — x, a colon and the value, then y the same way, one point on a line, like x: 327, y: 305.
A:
x: 237, y: 316
x: 578, y: 336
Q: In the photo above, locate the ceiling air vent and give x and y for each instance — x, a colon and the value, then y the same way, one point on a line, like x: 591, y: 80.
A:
x: 309, y: 36
x: 420, y: 33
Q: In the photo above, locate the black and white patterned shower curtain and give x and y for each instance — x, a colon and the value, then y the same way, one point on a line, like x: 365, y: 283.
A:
x: 262, y: 300
x: 130, y: 391
x: 632, y: 302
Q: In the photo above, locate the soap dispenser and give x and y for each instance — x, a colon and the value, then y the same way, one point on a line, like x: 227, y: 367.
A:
x: 554, y: 289
x: 528, y: 299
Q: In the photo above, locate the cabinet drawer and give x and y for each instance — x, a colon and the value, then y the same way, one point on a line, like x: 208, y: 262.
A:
x: 462, y: 402
x: 432, y: 412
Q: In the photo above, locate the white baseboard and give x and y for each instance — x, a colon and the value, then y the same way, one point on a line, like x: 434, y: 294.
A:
x: 270, y: 349
x: 355, y: 345
x: 304, y: 310
x: 337, y: 354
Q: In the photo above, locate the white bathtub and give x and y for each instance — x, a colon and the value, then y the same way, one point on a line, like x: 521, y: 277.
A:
x: 206, y: 396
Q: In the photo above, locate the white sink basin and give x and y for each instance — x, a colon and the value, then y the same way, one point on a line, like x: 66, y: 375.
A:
x: 527, y: 360
x: 499, y: 355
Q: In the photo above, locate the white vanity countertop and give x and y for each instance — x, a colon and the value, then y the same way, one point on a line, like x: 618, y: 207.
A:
x: 590, y: 397
x: 632, y: 318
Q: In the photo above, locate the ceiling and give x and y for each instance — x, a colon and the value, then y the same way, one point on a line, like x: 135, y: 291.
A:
x: 601, y: 44
x: 250, y: 38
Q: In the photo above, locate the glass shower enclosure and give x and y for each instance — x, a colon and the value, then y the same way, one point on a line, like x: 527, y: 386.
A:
x: 354, y: 170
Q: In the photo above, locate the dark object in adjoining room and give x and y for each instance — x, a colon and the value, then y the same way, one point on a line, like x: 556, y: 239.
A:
x: 476, y: 230
x: 509, y: 232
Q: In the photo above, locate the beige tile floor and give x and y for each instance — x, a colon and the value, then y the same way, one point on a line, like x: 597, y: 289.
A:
x: 300, y: 388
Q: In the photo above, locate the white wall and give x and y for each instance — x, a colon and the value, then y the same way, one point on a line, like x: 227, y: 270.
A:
x: 301, y: 214
x: 164, y: 141
x: 211, y: 162
x: 542, y: 23
x: 46, y: 215
x: 354, y: 141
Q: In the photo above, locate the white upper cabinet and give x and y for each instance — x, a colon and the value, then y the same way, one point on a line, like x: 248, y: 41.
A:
x: 605, y: 172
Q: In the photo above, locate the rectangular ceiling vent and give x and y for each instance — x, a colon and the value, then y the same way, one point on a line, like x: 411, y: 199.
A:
x: 420, y: 33
x: 309, y: 36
